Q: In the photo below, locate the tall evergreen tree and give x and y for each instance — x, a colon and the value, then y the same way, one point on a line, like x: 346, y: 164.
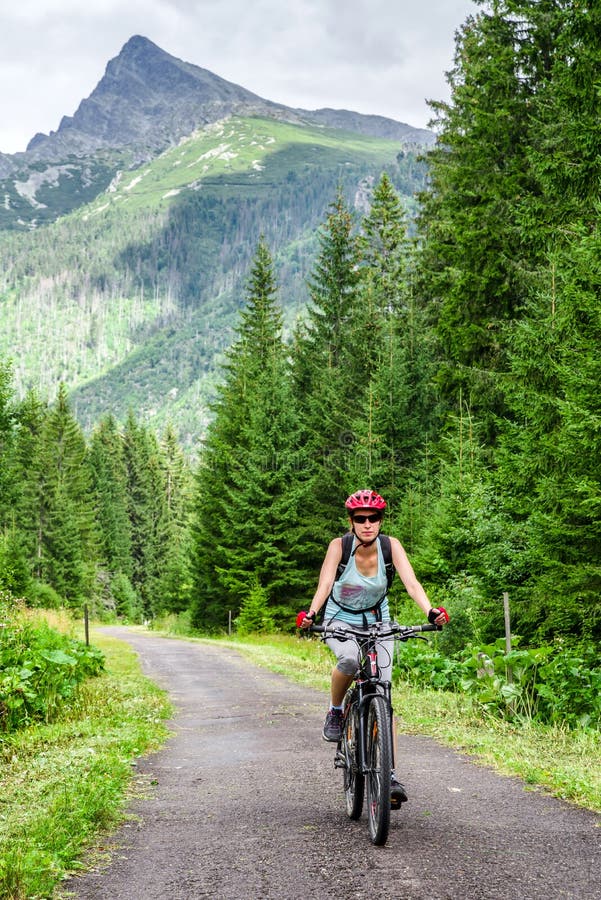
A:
x: 385, y: 246
x: 27, y: 477
x: 14, y: 570
x: 109, y: 479
x: 550, y: 450
x: 333, y: 355
x: 395, y: 422
x: 146, y: 509
x: 7, y: 429
x: 67, y: 533
x: 245, y: 509
x: 175, y: 584
x: 474, y: 257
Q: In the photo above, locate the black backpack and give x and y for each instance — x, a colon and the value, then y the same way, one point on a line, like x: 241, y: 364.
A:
x: 347, y: 546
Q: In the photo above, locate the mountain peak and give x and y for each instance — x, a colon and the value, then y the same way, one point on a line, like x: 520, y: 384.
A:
x: 147, y: 100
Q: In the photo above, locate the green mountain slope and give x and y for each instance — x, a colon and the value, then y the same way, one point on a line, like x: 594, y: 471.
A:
x: 131, y: 298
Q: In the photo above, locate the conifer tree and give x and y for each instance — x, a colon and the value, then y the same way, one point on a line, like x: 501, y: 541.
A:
x: 474, y: 255
x: 7, y: 428
x: 68, y: 541
x: 109, y: 479
x: 395, y: 421
x: 174, y: 586
x: 146, y: 509
x: 245, y: 507
x: 14, y: 570
x: 27, y: 476
x: 385, y: 246
x: 333, y: 353
x: 550, y: 449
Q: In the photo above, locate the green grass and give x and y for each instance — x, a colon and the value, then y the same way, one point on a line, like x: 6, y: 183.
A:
x: 65, y: 782
x: 564, y: 762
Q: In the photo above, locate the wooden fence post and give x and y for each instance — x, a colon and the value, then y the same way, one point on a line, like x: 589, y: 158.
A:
x: 507, y: 633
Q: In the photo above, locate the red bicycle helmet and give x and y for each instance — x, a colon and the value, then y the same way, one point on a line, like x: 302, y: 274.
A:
x: 365, y: 499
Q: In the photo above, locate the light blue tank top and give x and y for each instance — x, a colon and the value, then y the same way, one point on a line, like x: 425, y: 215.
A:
x: 359, y: 592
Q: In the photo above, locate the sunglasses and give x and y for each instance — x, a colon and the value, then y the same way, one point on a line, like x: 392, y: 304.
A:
x: 373, y: 517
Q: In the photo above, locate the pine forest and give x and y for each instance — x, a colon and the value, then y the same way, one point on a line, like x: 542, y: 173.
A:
x: 448, y: 357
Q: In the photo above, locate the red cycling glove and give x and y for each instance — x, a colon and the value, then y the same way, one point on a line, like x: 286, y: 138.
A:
x: 435, y: 612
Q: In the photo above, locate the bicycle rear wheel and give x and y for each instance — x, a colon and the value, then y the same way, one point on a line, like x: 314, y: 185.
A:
x: 379, y: 766
x: 354, y: 780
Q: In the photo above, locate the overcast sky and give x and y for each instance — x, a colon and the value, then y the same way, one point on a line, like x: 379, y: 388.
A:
x: 385, y: 57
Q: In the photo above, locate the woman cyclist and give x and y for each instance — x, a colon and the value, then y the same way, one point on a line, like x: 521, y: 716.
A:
x: 358, y: 598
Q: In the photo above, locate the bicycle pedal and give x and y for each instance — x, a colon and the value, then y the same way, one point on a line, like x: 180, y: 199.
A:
x: 339, y: 761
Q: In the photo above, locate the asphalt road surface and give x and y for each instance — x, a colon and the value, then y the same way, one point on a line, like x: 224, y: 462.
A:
x: 244, y: 802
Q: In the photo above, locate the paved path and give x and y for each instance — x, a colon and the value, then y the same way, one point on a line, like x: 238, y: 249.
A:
x: 245, y: 803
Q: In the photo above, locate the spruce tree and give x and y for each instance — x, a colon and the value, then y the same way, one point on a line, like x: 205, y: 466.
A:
x: 245, y: 507
x: 27, y: 477
x: 7, y: 430
x: 174, y: 585
x: 333, y: 354
x: 395, y: 420
x: 68, y: 539
x: 474, y: 255
x: 14, y: 569
x: 146, y: 498
x: 109, y: 479
x: 550, y: 449
x: 385, y: 246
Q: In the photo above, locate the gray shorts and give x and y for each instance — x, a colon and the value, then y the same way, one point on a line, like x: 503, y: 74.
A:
x: 347, y: 654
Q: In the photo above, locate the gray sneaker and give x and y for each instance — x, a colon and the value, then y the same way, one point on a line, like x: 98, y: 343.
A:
x: 332, y: 729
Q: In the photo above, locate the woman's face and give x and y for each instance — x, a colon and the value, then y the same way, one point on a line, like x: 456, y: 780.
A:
x: 366, y: 524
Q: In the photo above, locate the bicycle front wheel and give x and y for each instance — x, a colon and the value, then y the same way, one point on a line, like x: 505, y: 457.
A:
x: 354, y: 780
x: 379, y: 767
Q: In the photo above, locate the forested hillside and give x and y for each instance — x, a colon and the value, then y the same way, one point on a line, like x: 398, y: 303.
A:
x: 454, y: 367
x: 131, y: 299
x: 459, y: 375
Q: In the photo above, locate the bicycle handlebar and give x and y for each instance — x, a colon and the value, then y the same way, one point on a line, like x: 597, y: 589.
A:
x: 378, y: 630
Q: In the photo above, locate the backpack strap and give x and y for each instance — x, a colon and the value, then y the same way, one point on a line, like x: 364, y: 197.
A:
x: 347, y: 546
x: 387, y: 554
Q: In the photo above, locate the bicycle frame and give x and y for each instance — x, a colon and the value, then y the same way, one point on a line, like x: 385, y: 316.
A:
x: 367, y: 683
x: 369, y: 757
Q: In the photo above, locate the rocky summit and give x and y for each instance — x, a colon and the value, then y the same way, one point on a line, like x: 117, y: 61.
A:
x: 147, y: 100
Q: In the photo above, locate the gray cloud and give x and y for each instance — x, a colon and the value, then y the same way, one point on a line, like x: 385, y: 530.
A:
x: 374, y: 56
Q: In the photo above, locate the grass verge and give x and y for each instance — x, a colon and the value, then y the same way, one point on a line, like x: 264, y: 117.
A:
x: 65, y: 782
x: 565, y: 762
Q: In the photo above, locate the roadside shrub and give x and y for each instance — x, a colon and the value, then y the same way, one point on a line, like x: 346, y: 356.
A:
x: 40, y: 669
x: 255, y: 616
x: 127, y: 603
x: 14, y: 568
x: 569, y: 688
x: 504, y: 683
x: 549, y: 684
x: 44, y: 596
x: 421, y: 664
x: 174, y: 623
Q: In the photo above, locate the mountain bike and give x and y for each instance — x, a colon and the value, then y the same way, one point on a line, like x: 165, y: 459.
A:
x: 365, y: 752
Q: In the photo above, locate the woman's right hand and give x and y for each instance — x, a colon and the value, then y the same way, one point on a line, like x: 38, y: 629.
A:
x: 305, y: 619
